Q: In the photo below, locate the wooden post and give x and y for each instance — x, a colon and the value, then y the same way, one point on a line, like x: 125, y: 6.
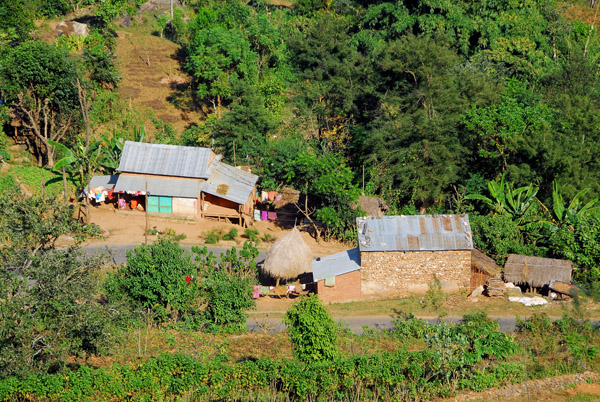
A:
x: 42, y: 186
x: 146, y: 208
x: 363, y: 179
x: 202, y: 205
x: 87, y: 205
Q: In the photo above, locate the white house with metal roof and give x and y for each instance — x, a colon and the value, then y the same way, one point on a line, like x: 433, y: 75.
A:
x: 183, y: 181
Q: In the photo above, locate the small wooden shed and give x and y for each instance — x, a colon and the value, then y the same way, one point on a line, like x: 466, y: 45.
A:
x: 483, y: 268
x: 536, y: 271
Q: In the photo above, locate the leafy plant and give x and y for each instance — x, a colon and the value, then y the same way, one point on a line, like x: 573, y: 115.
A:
x: 268, y: 238
x: 160, y: 277
x: 48, y: 304
x: 508, y: 200
x: 231, y: 235
x: 312, y: 330
x: 406, y: 325
x: 213, y: 236
x: 252, y: 235
x: 227, y: 297
x: 434, y: 297
x: 171, y: 234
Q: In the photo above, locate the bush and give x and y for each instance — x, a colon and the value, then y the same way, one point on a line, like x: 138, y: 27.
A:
x: 227, y: 298
x: 231, y: 235
x: 434, y: 297
x: 498, y: 236
x: 312, y: 330
x: 171, y: 234
x: 408, y: 326
x: 581, y: 244
x: 213, y: 236
x: 252, y: 234
x: 160, y: 277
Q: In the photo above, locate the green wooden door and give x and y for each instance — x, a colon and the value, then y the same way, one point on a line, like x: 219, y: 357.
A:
x: 152, y: 203
x: 165, y: 205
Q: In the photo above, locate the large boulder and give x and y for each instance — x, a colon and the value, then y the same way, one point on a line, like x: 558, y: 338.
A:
x: 72, y: 28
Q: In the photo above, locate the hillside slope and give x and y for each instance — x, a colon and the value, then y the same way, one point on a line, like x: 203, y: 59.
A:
x: 152, y: 77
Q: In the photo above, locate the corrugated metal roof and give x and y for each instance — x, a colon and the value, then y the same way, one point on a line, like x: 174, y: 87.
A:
x: 230, y: 183
x: 107, y: 181
x: 162, y: 186
x: 414, y: 233
x: 165, y: 160
x: 336, y: 264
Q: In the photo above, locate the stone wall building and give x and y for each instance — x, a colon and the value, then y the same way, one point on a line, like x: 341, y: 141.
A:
x: 403, y: 254
x: 399, y: 255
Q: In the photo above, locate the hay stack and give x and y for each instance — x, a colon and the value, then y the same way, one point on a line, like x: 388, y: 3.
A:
x: 289, y: 257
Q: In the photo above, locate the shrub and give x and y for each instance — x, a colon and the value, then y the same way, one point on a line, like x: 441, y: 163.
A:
x: 434, y: 297
x: 498, y: 236
x: 160, y: 277
x: 227, y: 298
x: 312, y: 330
x: 252, y: 234
x: 231, y: 235
x: 408, y: 326
x: 268, y: 238
x: 213, y: 236
x: 4, y: 155
x: 243, y: 264
x: 171, y: 234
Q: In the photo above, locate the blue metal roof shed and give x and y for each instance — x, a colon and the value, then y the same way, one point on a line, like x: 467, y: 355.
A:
x: 336, y: 264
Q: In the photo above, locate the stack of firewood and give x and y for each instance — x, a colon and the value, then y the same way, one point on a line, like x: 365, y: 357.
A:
x: 494, y: 287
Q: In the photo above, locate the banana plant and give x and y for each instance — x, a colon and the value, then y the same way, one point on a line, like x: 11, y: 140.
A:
x: 562, y: 213
x: 113, y: 148
x: 79, y: 161
x: 505, y: 199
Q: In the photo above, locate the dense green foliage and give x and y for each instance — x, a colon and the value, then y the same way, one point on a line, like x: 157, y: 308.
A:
x: 48, y: 308
x: 158, y: 277
x: 472, y: 355
x: 312, y: 330
x: 201, y: 292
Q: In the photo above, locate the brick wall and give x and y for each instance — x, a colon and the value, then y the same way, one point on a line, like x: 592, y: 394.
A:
x: 347, y: 287
x: 401, y: 272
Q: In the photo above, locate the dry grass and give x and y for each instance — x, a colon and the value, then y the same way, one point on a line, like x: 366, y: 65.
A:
x: 152, y: 76
x: 455, y: 305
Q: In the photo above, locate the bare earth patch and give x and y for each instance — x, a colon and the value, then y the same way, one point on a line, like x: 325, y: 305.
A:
x: 556, y: 389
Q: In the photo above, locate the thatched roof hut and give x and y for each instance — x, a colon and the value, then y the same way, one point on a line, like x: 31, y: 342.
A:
x: 536, y: 271
x: 483, y: 268
x: 289, y: 257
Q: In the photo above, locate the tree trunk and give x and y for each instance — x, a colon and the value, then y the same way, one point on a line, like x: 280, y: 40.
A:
x: 64, y: 175
x: 85, y: 108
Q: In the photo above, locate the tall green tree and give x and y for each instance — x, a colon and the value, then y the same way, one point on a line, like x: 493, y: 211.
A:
x: 39, y: 84
x: 416, y: 147
x: 48, y: 296
x: 16, y: 22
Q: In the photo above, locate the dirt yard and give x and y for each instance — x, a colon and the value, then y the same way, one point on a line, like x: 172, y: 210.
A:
x: 127, y: 227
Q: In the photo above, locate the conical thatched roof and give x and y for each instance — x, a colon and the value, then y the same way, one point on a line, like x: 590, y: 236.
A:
x: 289, y: 257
